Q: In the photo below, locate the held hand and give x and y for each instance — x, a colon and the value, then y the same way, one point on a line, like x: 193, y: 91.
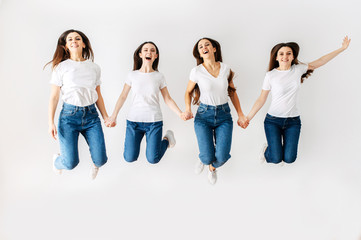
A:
x: 243, y: 121
x: 52, y: 131
x: 346, y: 43
x: 110, y: 121
x: 186, y: 115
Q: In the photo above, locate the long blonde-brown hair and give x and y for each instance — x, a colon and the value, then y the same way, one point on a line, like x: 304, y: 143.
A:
x: 62, y: 53
x: 273, y: 63
x: 218, y: 57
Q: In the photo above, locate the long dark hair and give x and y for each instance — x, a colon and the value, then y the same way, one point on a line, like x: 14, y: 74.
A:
x: 138, y: 60
x: 273, y: 63
x: 196, y: 93
x: 62, y: 53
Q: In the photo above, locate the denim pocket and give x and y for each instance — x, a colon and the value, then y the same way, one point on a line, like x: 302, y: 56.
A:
x: 93, y: 111
x: 201, y: 109
x: 69, y: 112
x: 226, y: 109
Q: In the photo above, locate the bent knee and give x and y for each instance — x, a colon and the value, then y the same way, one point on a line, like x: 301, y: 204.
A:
x: 274, y: 159
x: 130, y: 159
x: 100, y: 162
x: 69, y: 165
x: 153, y: 159
x: 290, y: 159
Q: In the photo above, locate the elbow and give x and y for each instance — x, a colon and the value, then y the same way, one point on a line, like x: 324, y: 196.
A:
x: 188, y: 95
x: 54, y: 99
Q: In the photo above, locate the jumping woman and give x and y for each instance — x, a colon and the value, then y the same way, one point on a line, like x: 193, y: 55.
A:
x: 145, y: 115
x: 282, y: 123
x: 210, y: 86
x: 77, y: 77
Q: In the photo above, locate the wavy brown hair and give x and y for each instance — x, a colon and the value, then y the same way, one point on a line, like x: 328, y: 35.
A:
x: 273, y: 63
x: 196, y: 93
x: 62, y: 53
x: 138, y: 60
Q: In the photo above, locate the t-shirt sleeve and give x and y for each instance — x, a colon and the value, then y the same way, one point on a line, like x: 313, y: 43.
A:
x: 302, y: 68
x: 192, y: 76
x: 266, y: 83
x: 162, y: 83
x: 56, y: 77
x: 98, y: 76
x: 128, y: 79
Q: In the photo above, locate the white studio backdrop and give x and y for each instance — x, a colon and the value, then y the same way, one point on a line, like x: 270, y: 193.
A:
x: 316, y: 198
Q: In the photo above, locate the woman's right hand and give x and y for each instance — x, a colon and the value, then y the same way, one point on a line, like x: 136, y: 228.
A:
x: 186, y: 115
x: 110, y: 121
x: 52, y: 130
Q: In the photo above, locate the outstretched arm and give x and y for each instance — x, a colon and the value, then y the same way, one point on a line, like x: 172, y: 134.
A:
x: 123, y: 96
x: 242, y: 120
x: 258, y: 104
x: 170, y: 102
x: 53, y: 103
x: 325, y: 59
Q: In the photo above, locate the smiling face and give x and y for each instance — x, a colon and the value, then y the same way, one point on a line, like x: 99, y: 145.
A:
x: 285, y: 57
x: 206, y: 49
x: 148, y: 53
x: 74, y: 42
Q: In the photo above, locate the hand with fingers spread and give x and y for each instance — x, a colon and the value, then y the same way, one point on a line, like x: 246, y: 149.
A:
x: 346, y: 42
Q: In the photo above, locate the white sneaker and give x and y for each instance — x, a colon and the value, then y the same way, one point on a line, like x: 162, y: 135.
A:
x: 212, y: 176
x: 198, y: 168
x: 262, y: 158
x: 57, y: 171
x: 93, y: 172
x: 170, y: 136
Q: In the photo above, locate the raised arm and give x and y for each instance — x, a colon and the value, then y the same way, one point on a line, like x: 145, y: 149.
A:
x: 170, y: 102
x: 258, y: 104
x: 53, y: 103
x: 188, y: 99
x: 242, y: 120
x: 123, y: 96
x: 325, y: 59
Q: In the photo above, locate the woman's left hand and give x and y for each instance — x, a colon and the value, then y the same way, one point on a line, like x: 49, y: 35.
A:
x: 243, y: 121
x: 346, y: 43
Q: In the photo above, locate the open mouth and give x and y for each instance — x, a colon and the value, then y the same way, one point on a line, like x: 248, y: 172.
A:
x: 148, y: 58
x: 205, y: 52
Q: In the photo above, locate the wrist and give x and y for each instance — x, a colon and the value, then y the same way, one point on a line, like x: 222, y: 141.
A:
x: 241, y: 115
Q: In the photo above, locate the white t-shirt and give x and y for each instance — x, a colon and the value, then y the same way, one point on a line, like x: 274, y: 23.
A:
x: 145, y: 88
x: 284, y: 87
x: 78, y: 81
x: 214, y: 91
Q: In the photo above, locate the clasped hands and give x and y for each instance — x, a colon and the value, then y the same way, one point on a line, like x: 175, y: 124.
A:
x: 242, y: 121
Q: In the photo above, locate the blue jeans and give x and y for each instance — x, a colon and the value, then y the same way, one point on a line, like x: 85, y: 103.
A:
x: 213, y: 126
x: 156, y: 147
x: 72, y: 121
x: 282, y: 138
